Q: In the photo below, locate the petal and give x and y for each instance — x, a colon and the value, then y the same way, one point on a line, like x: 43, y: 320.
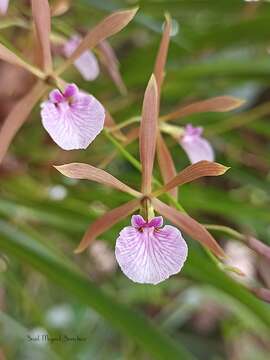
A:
x: 3, y: 6
x: 73, y: 126
x: 87, y: 63
x: 197, y: 149
x: 150, y: 256
x: 87, y: 66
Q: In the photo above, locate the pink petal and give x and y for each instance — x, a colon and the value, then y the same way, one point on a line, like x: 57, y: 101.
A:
x: 87, y: 63
x: 150, y: 255
x: 3, y: 6
x: 196, y: 147
x: 72, y: 122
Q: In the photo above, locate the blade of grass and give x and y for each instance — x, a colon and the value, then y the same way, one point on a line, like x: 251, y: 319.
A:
x: 199, y: 268
x: 129, y: 322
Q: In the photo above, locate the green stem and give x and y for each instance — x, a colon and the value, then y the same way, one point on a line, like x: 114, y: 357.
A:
x: 174, y: 131
x: 212, y: 257
x: 123, y: 151
x: 227, y: 230
x: 8, y: 22
x: 124, y: 124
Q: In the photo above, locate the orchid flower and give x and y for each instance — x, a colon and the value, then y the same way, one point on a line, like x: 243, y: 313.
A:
x: 87, y: 63
x: 196, y: 147
x: 73, y: 120
x: 146, y: 251
x: 4, y: 6
x: 88, y: 66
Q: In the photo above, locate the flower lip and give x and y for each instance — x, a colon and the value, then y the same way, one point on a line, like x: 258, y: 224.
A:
x: 195, y: 145
x: 72, y: 118
x: 148, y: 253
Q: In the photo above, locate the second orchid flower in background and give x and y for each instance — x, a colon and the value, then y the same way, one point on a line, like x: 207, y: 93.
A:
x: 196, y: 147
x: 87, y: 63
x: 72, y: 118
x: 4, y: 6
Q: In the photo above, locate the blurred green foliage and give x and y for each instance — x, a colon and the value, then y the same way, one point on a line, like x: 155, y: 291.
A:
x: 219, y: 47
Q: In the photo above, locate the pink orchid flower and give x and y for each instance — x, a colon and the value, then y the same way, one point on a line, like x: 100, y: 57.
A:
x: 4, y: 6
x: 148, y: 253
x: 86, y: 64
x: 196, y: 147
x: 72, y: 118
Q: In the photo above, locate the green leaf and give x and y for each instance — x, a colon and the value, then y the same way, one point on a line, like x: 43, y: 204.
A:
x: 131, y: 323
x: 205, y: 271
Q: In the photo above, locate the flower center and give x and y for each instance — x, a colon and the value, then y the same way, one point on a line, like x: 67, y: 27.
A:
x: 139, y: 223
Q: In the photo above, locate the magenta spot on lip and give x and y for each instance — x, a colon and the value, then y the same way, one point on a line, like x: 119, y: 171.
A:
x: 138, y: 222
x: 56, y: 96
x: 70, y: 91
x: 193, y: 131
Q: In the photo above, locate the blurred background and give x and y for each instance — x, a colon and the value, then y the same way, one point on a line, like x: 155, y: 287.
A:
x: 217, y: 48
